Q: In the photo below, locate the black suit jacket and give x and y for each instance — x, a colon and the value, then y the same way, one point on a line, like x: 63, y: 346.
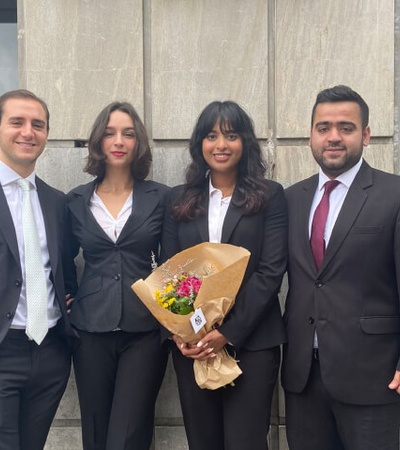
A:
x: 255, y: 321
x: 105, y: 300
x: 353, y: 299
x: 53, y: 204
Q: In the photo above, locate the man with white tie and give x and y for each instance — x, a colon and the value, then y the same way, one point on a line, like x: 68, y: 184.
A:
x: 341, y: 367
x: 34, y: 347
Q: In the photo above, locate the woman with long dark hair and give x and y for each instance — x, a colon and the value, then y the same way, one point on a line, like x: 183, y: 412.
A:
x: 116, y: 220
x: 227, y: 199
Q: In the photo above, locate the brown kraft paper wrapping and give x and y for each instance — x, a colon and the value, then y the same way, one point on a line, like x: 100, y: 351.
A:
x: 216, y: 297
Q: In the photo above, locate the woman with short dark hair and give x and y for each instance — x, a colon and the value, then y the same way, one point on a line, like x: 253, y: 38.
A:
x: 116, y: 220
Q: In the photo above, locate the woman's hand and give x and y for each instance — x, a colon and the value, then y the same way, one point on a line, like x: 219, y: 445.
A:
x: 213, y: 340
x: 208, y: 347
x: 69, y: 301
x: 189, y: 350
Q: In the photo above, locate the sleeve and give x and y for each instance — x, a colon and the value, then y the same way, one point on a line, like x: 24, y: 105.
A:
x: 71, y: 250
x: 260, y: 293
x: 169, y: 240
x: 396, y: 246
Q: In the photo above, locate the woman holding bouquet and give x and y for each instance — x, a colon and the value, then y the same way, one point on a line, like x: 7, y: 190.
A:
x: 116, y: 220
x: 226, y: 199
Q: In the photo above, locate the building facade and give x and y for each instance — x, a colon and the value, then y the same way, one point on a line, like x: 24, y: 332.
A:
x: 170, y: 58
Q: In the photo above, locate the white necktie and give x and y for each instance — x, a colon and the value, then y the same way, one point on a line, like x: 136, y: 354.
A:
x: 35, y: 280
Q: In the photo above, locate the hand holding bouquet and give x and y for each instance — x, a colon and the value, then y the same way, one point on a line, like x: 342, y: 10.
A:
x: 219, y: 270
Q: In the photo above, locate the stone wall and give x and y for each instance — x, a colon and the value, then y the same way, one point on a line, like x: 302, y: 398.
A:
x: 172, y: 57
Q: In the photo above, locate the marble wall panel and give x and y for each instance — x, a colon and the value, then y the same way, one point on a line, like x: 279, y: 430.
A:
x: 283, y: 445
x: 169, y: 164
x: 64, y: 438
x: 380, y: 156
x: 294, y: 164
x: 62, y: 166
x: 69, y: 405
x: 168, y: 405
x: 203, y: 51
x: 80, y: 56
x: 320, y: 44
x: 297, y: 163
x: 170, y: 438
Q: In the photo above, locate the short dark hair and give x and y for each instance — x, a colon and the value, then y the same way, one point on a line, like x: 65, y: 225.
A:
x: 24, y: 94
x: 142, y: 158
x: 342, y: 93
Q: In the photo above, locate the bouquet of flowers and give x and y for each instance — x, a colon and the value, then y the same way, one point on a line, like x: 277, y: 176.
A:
x: 191, y: 294
x: 179, y: 293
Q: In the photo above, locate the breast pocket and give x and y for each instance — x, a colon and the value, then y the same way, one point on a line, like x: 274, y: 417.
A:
x: 380, y: 324
x: 366, y: 230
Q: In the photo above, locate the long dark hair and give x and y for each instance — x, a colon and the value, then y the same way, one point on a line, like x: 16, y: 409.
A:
x: 251, y: 190
x: 142, y: 155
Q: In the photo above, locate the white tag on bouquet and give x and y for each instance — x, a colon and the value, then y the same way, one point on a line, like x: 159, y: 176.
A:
x: 198, y: 320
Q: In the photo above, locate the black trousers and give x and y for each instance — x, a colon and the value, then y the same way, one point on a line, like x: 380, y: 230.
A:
x: 118, y: 376
x: 315, y: 421
x: 33, y: 379
x: 233, y: 417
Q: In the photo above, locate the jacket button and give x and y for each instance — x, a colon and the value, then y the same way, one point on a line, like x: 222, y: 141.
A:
x: 117, y: 277
x: 17, y: 283
x: 311, y: 320
x: 10, y: 315
x: 318, y: 283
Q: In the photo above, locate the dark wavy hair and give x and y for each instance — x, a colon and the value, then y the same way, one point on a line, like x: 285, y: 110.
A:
x: 251, y: 191
x: 342, y: 93
x: 142, y: 158
x: 25, y: 95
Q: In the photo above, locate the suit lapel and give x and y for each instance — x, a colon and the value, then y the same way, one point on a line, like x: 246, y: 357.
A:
x: 232, y: 217
x: 351, y: 208
x: 145, y: 200
x: 82, y: 212
x: 51, y: 222
x: 7, y: 226
x: 201, y: 222
x: 302, y: 218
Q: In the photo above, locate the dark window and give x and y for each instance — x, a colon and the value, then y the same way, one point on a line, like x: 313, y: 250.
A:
x: 8, y: 46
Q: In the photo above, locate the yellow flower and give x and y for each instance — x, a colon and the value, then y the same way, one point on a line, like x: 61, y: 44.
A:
x: 169, y: 288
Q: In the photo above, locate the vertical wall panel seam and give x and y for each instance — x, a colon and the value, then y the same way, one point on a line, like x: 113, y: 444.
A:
x: 271, y: 81
x: 147, y: 86
x: 396, y: 100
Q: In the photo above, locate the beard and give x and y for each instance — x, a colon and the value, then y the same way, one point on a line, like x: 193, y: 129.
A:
x: 334, y: 163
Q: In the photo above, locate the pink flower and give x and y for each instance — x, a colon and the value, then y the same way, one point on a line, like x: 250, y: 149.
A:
x: 188, y: 287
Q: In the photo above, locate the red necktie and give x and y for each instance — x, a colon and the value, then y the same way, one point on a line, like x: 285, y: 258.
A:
x: 319, y: 222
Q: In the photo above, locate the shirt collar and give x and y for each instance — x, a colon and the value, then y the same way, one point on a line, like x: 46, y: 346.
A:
x: 214, y: 191
x: 345, y: 178
x: 212, y: 188
x: 8, y: 175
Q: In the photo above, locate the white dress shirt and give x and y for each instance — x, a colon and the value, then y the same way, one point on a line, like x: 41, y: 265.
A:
x: 13, y: 194
x: 336, y: 200
x: 217, y: 208
x: 112, y: 227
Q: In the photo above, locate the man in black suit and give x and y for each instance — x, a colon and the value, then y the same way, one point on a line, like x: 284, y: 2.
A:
x: 34, y: 369
x: 341, y: 371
